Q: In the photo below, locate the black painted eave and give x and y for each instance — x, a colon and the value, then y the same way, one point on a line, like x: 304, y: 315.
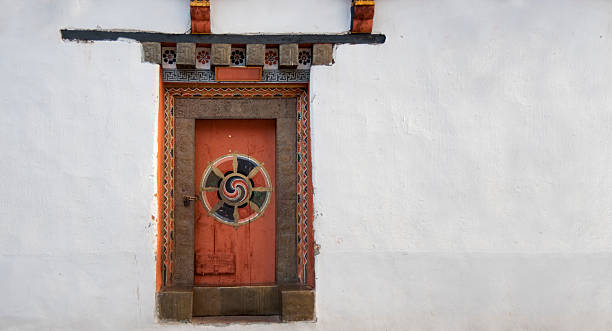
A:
x: 95, y: 35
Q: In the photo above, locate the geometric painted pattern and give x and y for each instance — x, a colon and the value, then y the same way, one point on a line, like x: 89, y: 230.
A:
x: 208, y: 76
x: 305, y: 253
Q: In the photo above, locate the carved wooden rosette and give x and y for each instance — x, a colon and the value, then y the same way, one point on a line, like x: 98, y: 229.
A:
x: 362, y: 16
x: 200, y: 16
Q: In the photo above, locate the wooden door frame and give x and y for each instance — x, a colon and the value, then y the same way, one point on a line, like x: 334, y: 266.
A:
x: 187, y: 111
x: 294, y: 243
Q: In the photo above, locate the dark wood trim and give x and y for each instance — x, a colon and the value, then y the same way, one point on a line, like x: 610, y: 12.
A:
x: 284, y: 111
x: 184, y: 149
x: 142, y: 36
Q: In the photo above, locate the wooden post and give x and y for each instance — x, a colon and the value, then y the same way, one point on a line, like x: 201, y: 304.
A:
x: 363, y: 16
x: 200, y: 16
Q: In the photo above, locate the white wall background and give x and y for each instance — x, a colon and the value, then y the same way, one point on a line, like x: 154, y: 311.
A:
x: 461, y: 170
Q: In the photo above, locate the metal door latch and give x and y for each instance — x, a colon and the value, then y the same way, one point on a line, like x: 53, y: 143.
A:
x: 188, y: 198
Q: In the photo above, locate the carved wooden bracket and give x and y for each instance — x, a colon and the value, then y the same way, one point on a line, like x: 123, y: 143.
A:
x: 200, y: 16
x: 362, y: 16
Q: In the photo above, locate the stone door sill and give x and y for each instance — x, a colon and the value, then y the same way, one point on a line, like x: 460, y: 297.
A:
x: 223, y: 320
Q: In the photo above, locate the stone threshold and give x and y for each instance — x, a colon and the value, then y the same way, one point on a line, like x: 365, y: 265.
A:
x: 226, y: 320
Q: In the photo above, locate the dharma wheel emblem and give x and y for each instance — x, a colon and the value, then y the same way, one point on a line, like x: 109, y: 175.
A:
x: 235, y: 189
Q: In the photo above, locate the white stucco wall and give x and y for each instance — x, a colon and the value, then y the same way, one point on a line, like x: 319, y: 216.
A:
x: 461, y: 170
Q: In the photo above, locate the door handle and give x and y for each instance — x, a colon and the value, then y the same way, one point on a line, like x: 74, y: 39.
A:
x: 188, y: 198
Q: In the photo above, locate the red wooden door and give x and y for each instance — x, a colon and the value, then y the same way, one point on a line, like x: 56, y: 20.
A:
x: 235, y: 218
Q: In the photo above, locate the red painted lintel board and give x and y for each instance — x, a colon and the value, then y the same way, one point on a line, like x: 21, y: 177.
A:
x: 238, y: 74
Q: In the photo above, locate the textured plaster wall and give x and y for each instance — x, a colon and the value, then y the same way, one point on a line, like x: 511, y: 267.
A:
x: 461, y: 170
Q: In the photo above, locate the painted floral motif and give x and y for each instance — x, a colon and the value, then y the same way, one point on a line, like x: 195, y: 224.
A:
x: 271, y: 58
x: 169, y: 56
x: 203, y: 57
x: 304, y: 58
x: 238, y: 58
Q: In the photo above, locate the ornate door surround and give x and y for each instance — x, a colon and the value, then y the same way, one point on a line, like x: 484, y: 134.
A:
x: 295, y: 272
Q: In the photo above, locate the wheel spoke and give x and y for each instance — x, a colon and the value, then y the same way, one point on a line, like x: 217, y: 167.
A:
x: 236, y: 215
x: 254, y: 206
x: 217, y: 172
x: 254, y: 172
x: 216, y: 207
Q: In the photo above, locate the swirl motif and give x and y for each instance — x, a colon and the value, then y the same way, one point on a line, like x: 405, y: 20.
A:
x: 235, y: 190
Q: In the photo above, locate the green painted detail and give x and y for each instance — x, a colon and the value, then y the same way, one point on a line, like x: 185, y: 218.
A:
x: 212, y: 180
x: 259, y: 198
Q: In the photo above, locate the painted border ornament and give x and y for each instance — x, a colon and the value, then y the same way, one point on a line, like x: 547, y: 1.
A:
x: 235, y: 197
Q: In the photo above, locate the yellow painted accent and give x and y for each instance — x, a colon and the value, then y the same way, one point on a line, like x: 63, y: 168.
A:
x: 200, y: 3
x: 363, y: 3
